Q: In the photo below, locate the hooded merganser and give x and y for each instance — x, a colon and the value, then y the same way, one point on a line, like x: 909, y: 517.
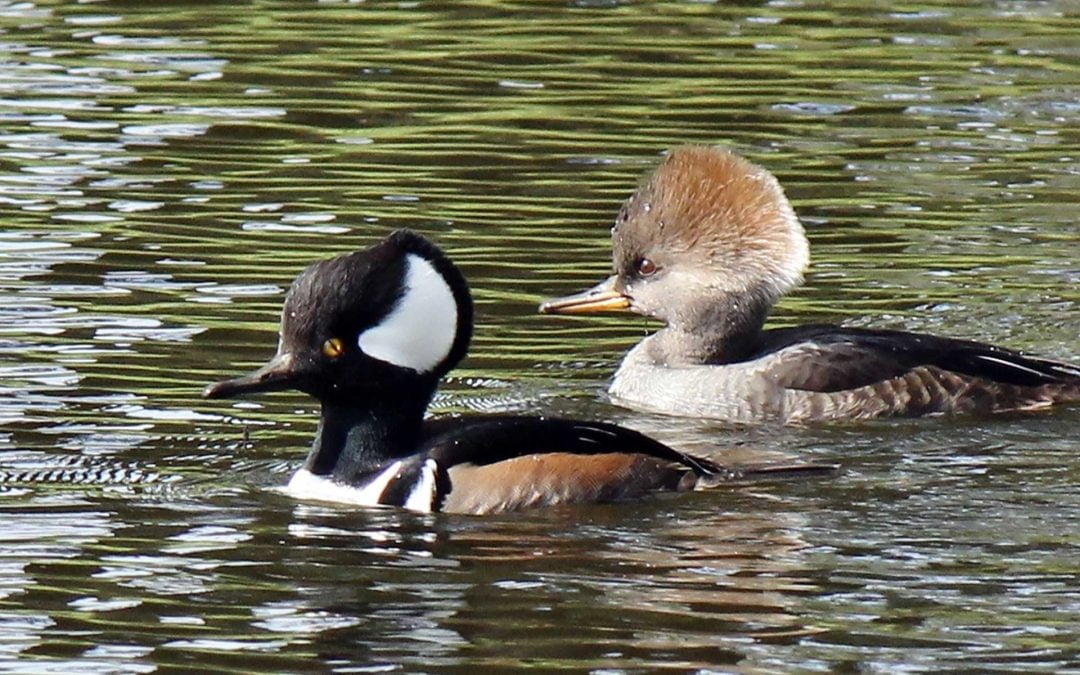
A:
x: 369, y: 334
x: 707, y: 245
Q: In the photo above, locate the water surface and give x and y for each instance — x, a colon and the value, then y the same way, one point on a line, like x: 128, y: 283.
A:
x: 166, y: 170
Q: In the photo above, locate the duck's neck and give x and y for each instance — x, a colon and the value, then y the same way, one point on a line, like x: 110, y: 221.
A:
x: 360, y: 433
x: 724, y: 329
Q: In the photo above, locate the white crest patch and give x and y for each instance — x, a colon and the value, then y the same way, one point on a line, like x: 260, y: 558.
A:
x: 420, y: 330
x: 306, y: 485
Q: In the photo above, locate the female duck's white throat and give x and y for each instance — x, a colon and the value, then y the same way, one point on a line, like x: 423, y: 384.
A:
x: 420, y: 330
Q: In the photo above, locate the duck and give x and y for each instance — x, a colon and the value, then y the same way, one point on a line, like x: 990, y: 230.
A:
x: 370, y: 334
x: 707, y: 244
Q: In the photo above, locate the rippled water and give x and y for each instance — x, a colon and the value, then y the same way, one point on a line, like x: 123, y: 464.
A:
x: 165, y: 170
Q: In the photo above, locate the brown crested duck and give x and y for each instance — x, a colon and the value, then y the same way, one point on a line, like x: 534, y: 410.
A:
x: 707, y: 245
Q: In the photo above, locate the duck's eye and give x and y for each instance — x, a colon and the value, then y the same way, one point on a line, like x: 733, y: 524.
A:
x: 646, y: 267
x: 333, y: 348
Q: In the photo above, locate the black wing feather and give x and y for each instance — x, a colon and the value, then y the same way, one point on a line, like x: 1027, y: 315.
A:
x: 489, y: 439
x: 855, y: 357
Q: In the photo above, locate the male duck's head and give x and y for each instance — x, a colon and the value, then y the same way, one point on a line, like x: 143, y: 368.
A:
x: 362, y: 324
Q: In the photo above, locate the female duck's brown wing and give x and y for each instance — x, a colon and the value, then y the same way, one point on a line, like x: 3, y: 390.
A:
x: 832, y: 358
x: 898, y: 373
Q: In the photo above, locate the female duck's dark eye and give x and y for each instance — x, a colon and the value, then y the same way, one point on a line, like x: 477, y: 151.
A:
x: 646, y: 267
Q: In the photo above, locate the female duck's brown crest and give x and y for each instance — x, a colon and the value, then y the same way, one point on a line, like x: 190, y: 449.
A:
x: 709, y: 208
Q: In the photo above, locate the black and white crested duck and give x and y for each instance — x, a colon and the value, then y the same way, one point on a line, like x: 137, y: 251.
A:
x: 707, y: 245
x: 369, y: 334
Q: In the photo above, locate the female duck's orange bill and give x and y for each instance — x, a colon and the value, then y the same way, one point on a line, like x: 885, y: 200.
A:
x: 600, y: 298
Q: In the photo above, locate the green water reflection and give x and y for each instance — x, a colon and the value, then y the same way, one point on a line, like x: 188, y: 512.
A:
x: 166, y: 169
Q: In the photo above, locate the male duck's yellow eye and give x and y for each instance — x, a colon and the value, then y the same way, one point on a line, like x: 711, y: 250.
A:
x: 333, y: 348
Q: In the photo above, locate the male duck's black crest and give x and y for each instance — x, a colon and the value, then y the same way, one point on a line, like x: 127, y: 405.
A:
x: 355, y: 321
x: 401, y: 301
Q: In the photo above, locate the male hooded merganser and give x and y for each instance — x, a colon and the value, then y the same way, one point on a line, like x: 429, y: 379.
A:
x: 369, y: 334
x: 707, y: 245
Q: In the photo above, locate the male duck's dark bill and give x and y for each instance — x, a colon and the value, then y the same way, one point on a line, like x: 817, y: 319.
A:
x: 600, y: 298
x: 277, y: 374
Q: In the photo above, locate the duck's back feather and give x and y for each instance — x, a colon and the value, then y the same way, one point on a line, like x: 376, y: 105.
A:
x: 832, y: 358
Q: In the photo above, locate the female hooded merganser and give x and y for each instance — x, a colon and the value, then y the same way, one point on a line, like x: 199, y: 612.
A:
x: 707, y: 245
x: 369, y: 334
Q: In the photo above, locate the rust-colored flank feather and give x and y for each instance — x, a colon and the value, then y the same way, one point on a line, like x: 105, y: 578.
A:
x: 560, y: 478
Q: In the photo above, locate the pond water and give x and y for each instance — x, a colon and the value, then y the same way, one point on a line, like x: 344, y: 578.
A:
x: 166, y: 169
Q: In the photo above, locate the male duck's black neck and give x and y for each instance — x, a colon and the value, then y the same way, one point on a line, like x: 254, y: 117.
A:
x: 361, y: 432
